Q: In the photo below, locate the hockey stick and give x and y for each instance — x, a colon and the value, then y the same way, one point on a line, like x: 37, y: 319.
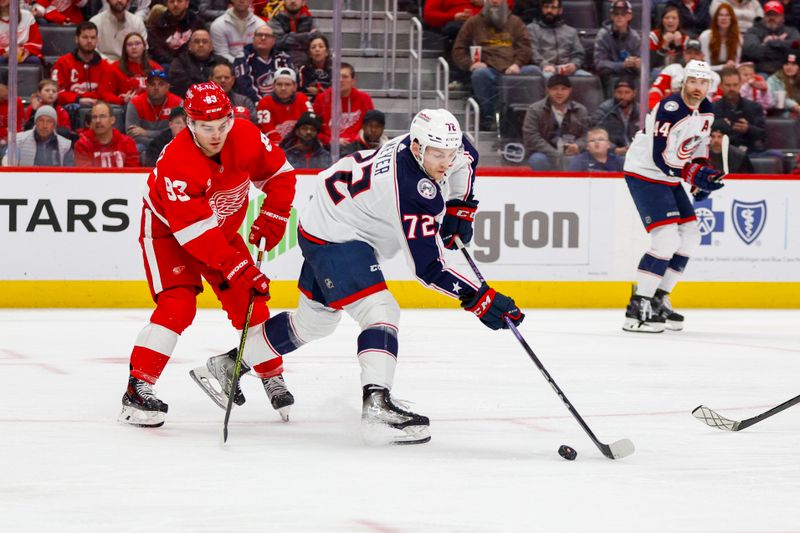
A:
x: 615, y: 450
x: 715, y: 420
x: 238, y: 367
x: 726, y: 144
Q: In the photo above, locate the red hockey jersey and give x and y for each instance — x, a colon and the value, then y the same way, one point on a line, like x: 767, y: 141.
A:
x: 202, y: 201
x: 120, y: 152
x: 350, y: 121
x: 63, y: 11
x: 4, y: 118
x: 77, y: 79
x: 114, y: 82
x: 277, y: 119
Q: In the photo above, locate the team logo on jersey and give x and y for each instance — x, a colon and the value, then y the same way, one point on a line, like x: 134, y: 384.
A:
x: 226, y: 203
x: 426, y: 188
x: 688, y: 147
x: 708, y: 220
x: 671, y: 106
x: 749, y: 219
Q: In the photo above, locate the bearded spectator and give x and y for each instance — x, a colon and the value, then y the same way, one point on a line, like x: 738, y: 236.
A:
x: 234, y: 29
x: 194, y: 64
x: 294, y: 27
x: 770, y: 39
x: 147, y: 114
x: 79, y: 72
x: 256, y: 70
x: 619, y: 116
x: 170, y: 33
x: 113, y: 25
x: 302, y: 146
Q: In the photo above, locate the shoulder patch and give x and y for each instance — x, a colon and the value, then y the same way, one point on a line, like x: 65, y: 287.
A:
x: 426, y: 188
x: 671, y: 106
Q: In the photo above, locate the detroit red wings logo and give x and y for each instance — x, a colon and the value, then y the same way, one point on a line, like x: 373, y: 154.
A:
x: 226, y: 203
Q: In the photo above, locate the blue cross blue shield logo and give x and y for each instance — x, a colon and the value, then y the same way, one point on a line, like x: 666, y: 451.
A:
x: 749, y: 219
x: 708, y: 220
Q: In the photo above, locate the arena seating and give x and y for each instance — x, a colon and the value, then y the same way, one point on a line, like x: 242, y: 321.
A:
x: 56, y: 41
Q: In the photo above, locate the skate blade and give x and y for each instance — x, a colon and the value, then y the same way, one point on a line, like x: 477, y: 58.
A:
x: 673, y: 325
x: 206, y: 381
x: 379, y: 434
x: 143, y: 419
x: 636, y: 326
x: 284, y: 412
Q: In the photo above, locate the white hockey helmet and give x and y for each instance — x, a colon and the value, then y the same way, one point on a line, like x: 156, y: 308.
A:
x: 437, y: 128
x: 697, y: 69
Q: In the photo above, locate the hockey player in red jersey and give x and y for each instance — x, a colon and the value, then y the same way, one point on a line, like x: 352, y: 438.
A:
x: 195, y: 201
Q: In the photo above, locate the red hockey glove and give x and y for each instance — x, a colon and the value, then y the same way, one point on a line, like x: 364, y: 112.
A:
x: 491, y: 308
x: 239, y: 269
x: 269, y: 225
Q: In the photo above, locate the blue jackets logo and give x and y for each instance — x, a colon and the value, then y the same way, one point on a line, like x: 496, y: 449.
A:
x: 749, y: 219
x: 708, y: 220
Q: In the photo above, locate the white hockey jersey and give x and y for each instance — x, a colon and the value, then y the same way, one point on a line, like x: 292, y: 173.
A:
x: 674, y: 134
x: 383, y: 198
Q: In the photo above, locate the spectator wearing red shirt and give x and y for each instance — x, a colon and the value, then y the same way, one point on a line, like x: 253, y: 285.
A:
x: 78, y: 73
x: 126, y: 78
x: 148, y: 113
x: 355, y: 104
x: 278, y: 112
x: 29, y: 40
x: 103, y: 146
x: 60, y: 11
x: 4, y: 112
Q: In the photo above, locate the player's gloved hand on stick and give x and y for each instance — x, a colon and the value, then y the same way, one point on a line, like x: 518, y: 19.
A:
x: 703, y: 177
x: 239, y: 269
x: 269, y: 225
x: 457, y: 222
x: 491, y: 308
x: 700, y: 195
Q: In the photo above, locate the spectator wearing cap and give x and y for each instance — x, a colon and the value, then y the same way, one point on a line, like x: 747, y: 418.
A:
x: 102, y: 145
x: 113, y: 25
x: 555, y: 126
x: 722, y: 42
x: 616, y: 47
x: 294, y: 27
x: 255, y: 71
x: 670, y: 79
x: 371, y: 136
x: 770, y: 39
x: 597, y: 157
x: 171, y: 31
x: 745, y: 123
x: 194, y: 64
x: 79, y: 72
x: 42, y: 146
x: 754, y: 86
x: 234, y: 29
x: 619, y: 116
x: 177, y: 122
x: 747, y: 11
x: 148, y: 113
x: 556, y: 46
x: 59, y: 11
x: 738, y: 161
x: 302, y: 146
x: 278, y: 112
x: 29, y: 39
x: 315, y: 75
x: 354, y: 105
x: 124, y: 79
x: 786, y: 84
x: 694, y: 14
x: 222, y: 75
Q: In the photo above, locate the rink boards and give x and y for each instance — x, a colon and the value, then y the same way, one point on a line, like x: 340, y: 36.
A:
x: 70, y: 239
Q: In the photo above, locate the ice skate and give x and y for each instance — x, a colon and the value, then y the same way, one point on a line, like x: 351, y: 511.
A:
x: 383, y: 421
x: 279, y: 396
x: 140, y: 407
x: 662, y: 306
x: 215, y: 378
x: 640, y: 317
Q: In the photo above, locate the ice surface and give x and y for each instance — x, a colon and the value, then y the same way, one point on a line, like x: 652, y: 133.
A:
x: 66, y: 465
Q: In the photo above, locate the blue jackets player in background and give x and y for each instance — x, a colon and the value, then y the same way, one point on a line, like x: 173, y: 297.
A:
x: 412, y: 196
x: 673, y: 147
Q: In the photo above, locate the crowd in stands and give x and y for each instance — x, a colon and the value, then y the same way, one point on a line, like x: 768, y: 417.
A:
x: 114, y: 100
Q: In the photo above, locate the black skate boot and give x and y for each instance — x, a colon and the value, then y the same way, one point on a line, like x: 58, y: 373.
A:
x: 216, y: 377
x: 662, y: 306
x: 382, y: 420
x: 279, y: 396
x: 639, y: 316
x: 140, y: 407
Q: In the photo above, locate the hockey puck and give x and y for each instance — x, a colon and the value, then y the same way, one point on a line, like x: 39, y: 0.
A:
x: 567, y: 452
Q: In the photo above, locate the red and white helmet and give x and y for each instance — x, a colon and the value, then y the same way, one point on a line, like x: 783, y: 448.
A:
x: 207, y: 101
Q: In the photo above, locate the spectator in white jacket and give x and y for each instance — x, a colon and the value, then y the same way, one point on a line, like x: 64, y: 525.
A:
x: 232, y: 31
x: 113, y: 25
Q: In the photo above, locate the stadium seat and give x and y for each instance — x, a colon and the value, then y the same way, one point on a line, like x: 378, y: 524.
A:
x: 56, y: 41
x: 587, y: 40
x: 28, y: 77
x: 782, y: 133
x: 581, y: 14
x: 587, y: 90
x: 515, y: 94
x: 767, y: 165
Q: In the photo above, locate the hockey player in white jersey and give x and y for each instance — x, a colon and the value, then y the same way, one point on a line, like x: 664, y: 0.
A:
x: 672, y: 147
x: 412, y: 196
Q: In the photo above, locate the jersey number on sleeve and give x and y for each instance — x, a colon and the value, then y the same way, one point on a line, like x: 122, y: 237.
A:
x: 176, y: 190
x: 663, y: 129
x: 354, y: 186
x: 425, y: 222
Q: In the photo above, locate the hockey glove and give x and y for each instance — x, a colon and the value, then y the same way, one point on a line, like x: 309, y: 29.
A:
x: 700, y: 195
x: 491, y: 308
x: 269, y: 225
x: 457, y: 222
x: 703, y: 177
x: 239, y: 269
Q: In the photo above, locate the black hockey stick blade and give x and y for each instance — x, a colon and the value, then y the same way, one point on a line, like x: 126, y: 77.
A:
x: 711, y: 418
